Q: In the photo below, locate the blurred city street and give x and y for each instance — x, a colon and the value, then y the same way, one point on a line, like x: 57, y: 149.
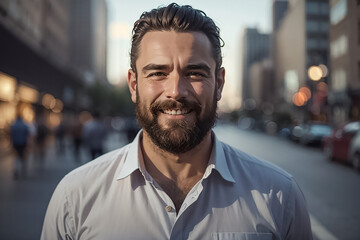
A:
x: 23, y: 202
x: 331, y: 189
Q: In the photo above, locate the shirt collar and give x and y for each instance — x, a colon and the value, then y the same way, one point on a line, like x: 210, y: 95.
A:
x: 134, y: 160
x: 218, y: 161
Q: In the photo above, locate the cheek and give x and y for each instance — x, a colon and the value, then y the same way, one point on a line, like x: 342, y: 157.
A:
x: 149, y: 92
x: 198, y: 88
x: 204, y: 92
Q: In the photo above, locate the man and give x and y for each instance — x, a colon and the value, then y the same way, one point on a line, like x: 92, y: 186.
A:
x: 177, y: 180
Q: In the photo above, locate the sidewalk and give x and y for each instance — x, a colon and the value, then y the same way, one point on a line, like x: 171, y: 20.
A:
x: 23, y: 203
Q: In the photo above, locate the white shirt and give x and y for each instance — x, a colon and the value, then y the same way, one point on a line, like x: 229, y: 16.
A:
x: 239, y: 197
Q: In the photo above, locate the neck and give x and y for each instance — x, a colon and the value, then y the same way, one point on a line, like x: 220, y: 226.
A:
x: 176, y: 173
x: 177, y: 165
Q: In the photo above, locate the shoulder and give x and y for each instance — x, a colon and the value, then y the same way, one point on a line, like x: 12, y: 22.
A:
x: 257, y: 171
x: 95, y: 173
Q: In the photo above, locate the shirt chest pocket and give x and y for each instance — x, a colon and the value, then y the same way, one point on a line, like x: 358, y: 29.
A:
x: 240, y: 236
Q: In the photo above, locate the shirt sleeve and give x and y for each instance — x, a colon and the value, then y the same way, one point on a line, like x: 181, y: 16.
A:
x: 59, y: 222
x: 298, y: 221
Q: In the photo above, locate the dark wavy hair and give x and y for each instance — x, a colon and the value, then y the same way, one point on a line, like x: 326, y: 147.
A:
x: 179, y: 19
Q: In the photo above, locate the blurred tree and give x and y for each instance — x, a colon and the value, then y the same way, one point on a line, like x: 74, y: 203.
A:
x: 111, y: 100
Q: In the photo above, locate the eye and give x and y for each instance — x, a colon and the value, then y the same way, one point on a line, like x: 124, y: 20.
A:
x: 156, y: 74
x: 196, y: 75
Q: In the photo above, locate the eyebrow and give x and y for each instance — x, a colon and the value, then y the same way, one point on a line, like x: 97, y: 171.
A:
x: 153, y: 66
x: 200, y: 66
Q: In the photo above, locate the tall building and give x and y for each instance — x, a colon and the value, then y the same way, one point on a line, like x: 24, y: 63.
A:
x: 255, y: 49
x: 301, y: 41
x: 344, y: 97
x: 34, y: 74
x: 261, y: 82
x: 279, y: 8
x: 55, y: 31
x: 88, y: 32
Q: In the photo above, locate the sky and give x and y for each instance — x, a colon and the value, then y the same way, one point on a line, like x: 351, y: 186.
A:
x: 231, y: 16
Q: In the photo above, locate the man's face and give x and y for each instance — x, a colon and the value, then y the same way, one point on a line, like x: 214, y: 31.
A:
x: 175, y: 88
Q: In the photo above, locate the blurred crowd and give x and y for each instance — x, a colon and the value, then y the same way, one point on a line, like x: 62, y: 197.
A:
x: 76, y: 134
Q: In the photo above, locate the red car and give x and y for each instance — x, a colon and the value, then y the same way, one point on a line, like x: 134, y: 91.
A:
x: 337, y: 145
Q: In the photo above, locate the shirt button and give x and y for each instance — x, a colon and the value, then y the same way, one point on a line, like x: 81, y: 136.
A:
x: 168, y: 208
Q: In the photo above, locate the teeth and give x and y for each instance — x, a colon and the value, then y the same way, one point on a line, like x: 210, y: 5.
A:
x: 176, y: 112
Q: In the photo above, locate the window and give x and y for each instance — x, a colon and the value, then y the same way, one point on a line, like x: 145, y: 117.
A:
x: 339, y: 46
x: 312, y: 44
x: 312, y: 26
x: 338, y: 12
x: 323, y: 43
x: 339, y: 81
x: 324, y: 26
x: 324, y: 8
x: 312, y: 8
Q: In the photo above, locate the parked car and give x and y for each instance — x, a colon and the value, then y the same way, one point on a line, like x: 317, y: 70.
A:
x: 337, y: 145
x: 355, y: 151
x: 313, y: 133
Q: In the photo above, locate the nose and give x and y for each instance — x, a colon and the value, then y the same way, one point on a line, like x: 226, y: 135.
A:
x: 176, y: 87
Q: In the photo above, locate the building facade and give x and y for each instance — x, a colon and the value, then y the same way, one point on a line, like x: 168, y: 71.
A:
x: 301, y: 41
x: 262, y: 88
x: 36, y: 70
x: 255, y: 49
x: 279, y: 8
x: 344, y: 84
x: 88, y: 34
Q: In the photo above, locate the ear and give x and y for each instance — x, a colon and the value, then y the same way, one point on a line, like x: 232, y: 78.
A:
x: 220, y: 80
x: 132, y: 84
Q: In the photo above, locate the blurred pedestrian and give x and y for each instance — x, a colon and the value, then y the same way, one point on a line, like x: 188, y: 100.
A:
x: 19, y: 137
x: 94, y: 133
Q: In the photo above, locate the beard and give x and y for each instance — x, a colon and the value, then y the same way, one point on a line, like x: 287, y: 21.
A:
x: 181, y: 135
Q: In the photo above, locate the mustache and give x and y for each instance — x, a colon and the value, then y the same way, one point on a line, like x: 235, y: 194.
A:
x: 171, y: 104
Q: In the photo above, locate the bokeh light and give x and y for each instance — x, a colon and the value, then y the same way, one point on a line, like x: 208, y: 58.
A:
x: 7, y: 87
x: 27, y: 94
x: 300, y: 99
x: 48, y: 101
x: 306, y: 91
x: 324, y: 70
x: 58, y: 106
x: 315, y: 73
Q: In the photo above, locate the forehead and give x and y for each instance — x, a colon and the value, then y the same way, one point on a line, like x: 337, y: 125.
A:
x: 170, y: 46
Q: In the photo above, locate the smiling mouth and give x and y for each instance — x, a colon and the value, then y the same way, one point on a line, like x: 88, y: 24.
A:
x: 176, y: 112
